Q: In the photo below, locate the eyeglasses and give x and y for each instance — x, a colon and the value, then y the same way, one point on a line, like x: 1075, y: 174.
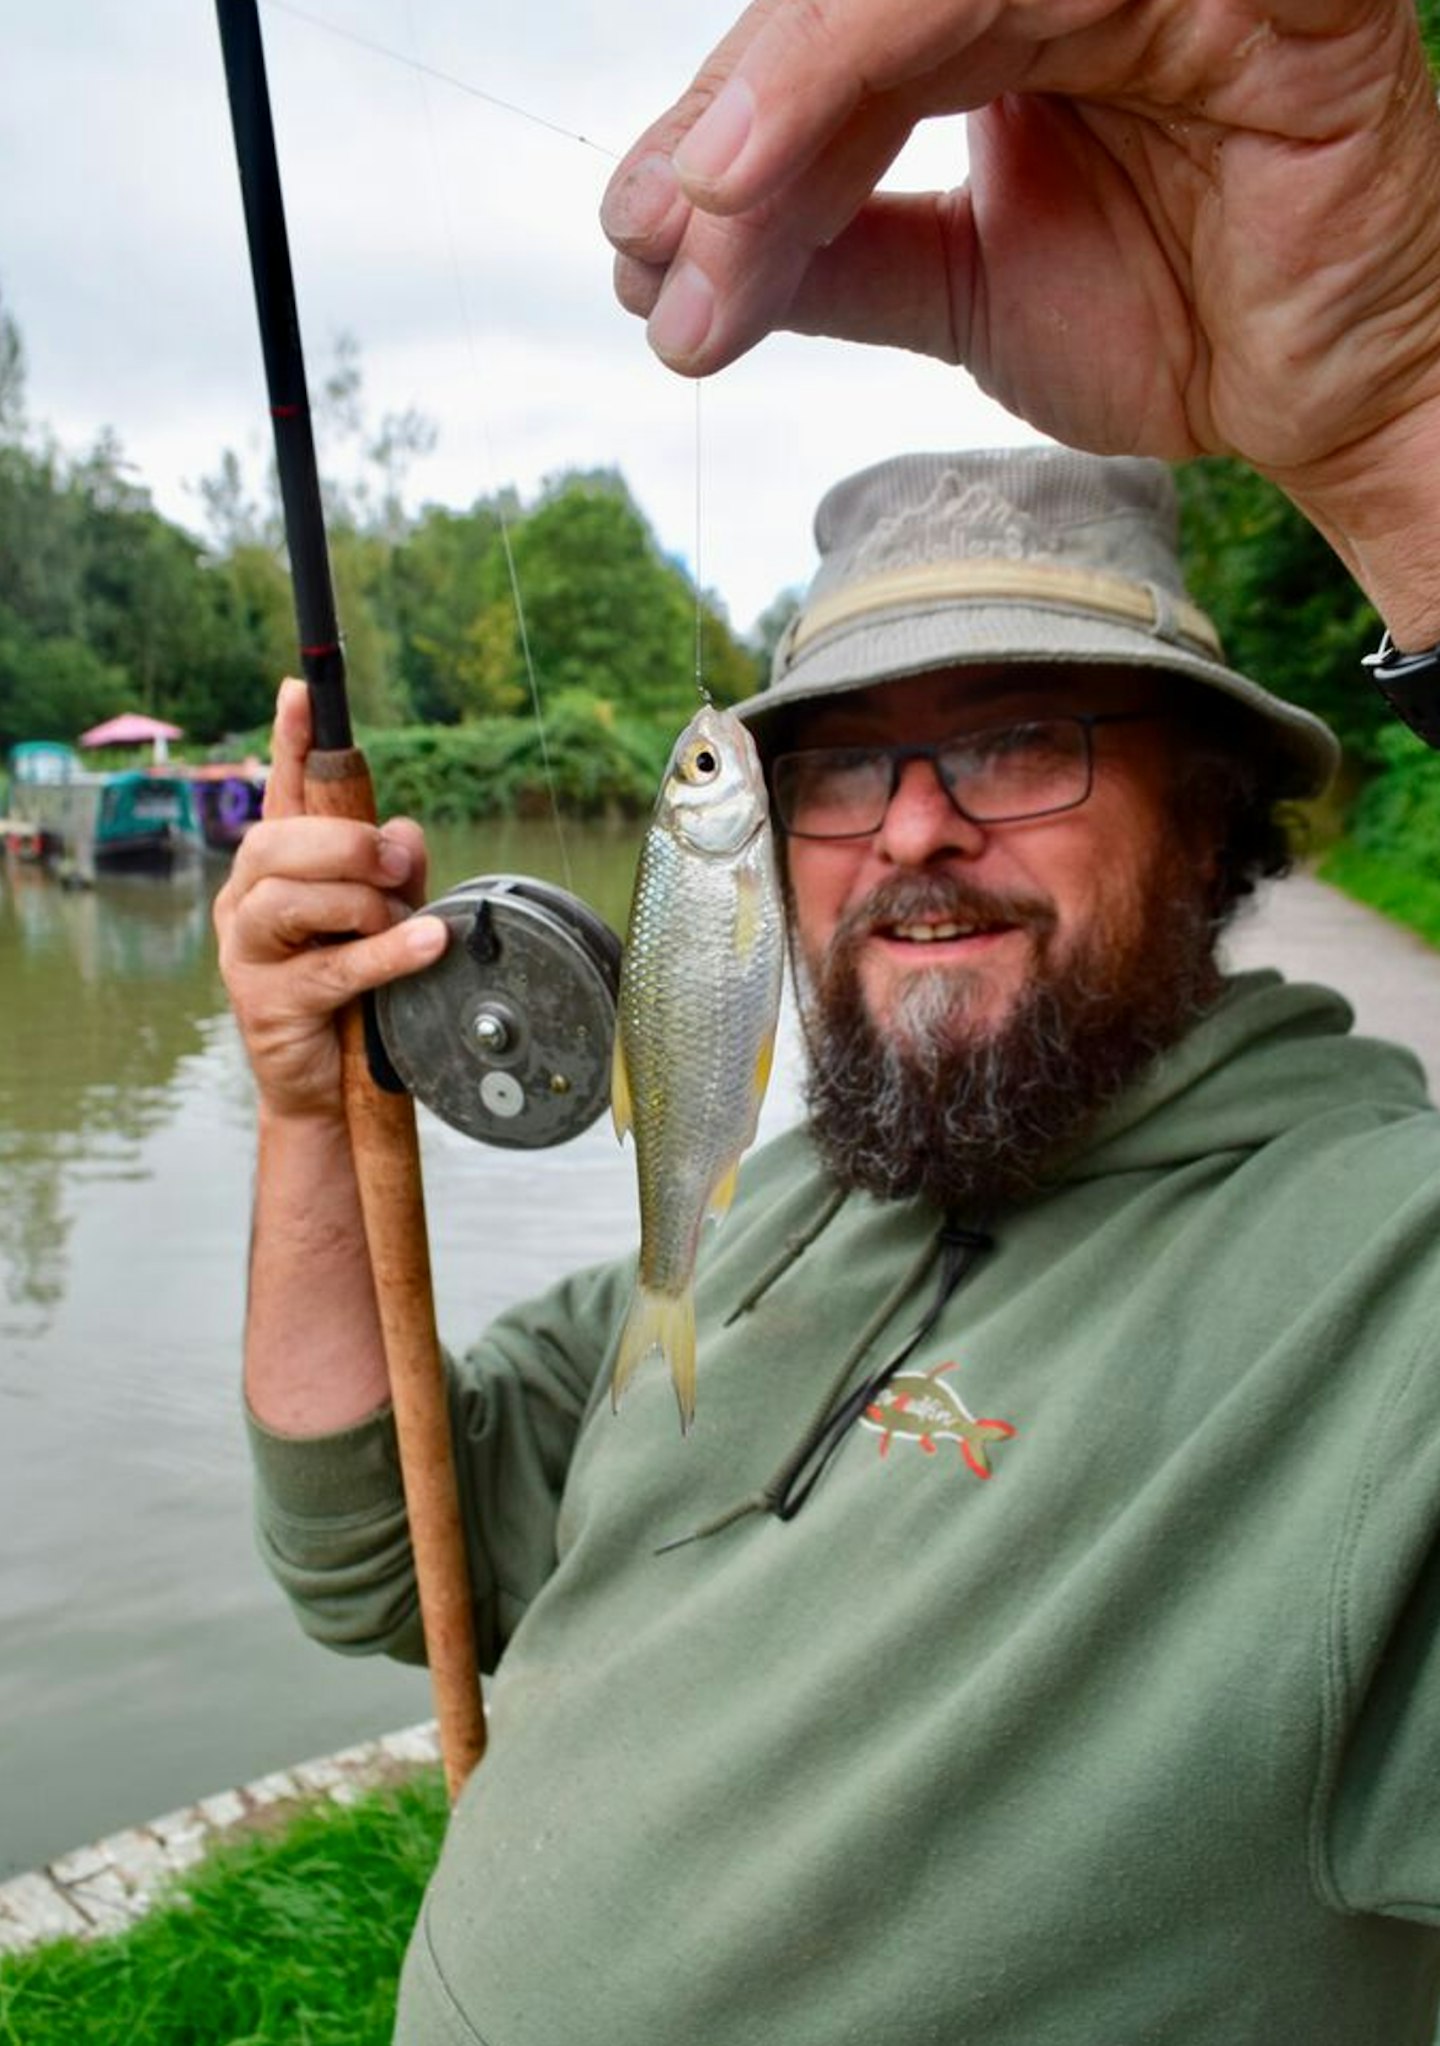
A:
x: 997, y: 775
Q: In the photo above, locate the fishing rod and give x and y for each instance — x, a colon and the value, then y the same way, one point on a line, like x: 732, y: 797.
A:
x: 382, y: 1123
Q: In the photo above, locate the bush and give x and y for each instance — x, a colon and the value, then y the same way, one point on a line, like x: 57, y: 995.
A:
x: 1397, y: 816
x: 586, y: 763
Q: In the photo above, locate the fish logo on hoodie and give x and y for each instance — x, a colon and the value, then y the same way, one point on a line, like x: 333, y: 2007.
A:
x: 915, y: 1404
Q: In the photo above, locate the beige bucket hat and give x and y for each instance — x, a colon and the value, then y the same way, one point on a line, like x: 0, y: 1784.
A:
x: 1030, y: 555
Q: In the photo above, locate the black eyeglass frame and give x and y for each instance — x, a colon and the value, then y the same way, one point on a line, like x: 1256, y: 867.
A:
x: 901, y: 756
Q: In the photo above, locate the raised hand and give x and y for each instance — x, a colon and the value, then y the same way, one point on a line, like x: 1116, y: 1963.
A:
x: 1190, y: 225
x: 296, y: 882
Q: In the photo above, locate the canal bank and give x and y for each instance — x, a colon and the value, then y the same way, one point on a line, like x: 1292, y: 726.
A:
x: 110, y: 1884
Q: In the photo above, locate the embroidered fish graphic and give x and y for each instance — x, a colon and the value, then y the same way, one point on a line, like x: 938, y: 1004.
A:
x: 918, y: 1405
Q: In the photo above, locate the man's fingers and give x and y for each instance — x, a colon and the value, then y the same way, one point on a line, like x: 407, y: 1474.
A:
x: 405, y: 833
x: 900, y: 276
x: 328, y: 849
x: 734, y: 279
x: 289, y: 744
x: 278, y: 916
x: 329, y: 976
x: 744, y: 133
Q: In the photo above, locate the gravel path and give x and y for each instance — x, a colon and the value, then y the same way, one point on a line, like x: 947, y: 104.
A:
x: 1391, y: 978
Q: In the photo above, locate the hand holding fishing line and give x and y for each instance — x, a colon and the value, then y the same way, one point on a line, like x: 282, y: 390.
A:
x: 298, y: 881
x: 1190, y: 226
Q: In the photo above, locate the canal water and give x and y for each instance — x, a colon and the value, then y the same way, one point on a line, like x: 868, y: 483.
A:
x: 145, y: 1658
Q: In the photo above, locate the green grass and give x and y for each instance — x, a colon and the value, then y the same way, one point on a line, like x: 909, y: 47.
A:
x: 294, y: 1938
x: 1396, y: 890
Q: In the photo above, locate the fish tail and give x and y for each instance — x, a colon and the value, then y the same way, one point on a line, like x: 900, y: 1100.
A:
x: 664, y: 1322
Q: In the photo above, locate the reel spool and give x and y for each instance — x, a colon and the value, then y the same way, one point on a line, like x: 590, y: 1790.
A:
x: 508, y: 1036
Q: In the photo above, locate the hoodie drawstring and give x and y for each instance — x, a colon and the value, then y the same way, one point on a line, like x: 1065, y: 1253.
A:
x: 958, y: 1248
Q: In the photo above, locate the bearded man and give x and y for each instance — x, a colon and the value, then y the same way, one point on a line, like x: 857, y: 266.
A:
x: 1030, y: 1642
x: 986, y: 955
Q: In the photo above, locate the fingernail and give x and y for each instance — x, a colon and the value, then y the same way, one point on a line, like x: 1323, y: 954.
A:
x: 426, y: 936
x: 395, y: 859
x: 638, y: 199
x: 683, y: 315
x: 711, y: 147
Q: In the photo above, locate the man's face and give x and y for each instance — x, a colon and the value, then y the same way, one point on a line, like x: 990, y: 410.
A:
x: 974, y: 993
x: 1041, y: 890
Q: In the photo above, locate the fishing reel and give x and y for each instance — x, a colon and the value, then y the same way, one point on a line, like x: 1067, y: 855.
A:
x: 508, y: 1036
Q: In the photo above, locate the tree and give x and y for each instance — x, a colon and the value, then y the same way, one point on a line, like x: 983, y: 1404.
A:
x: 607, y: 613
x: 12, y: 377
x: 772, y: 625
x: 52, y: 688
x: 1287, y: 611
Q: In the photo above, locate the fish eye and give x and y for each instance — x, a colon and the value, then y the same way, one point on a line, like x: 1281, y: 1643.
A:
x: 701, y: 763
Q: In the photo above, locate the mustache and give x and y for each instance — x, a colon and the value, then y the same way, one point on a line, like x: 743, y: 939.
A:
x: 937, y: 898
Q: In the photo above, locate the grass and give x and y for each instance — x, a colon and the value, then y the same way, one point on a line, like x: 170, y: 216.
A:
x: 1397, y: 891
x: 292, y: 1938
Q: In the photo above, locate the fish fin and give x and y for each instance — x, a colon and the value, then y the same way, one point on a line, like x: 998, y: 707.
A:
x: 621, y: 1112
x: 723, y: 1194
x: 748, y: 900
x: 764, y: 1063
x: 663, y: 1322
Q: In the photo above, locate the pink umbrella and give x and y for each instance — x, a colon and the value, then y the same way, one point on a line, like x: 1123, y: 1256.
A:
x: 132, y: 728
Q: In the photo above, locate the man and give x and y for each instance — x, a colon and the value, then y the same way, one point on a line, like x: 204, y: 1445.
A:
x: 1035, y: 1640
x: 1030, y: 1642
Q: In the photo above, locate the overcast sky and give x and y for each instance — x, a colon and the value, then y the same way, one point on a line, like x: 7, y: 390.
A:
x: 456, y: 241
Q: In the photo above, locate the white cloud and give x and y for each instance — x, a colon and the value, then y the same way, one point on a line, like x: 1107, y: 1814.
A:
x: 456, y: 241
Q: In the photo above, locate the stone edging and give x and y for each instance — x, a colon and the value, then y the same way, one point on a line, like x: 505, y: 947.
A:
x: 104, y: 1888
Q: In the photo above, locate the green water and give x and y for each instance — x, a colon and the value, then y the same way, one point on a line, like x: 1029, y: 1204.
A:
x: 145, y: 1659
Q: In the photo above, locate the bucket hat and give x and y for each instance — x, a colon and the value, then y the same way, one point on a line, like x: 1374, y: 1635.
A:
x: 1034, y: 555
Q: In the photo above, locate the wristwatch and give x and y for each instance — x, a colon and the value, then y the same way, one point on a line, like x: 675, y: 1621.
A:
x: 1410, y: 684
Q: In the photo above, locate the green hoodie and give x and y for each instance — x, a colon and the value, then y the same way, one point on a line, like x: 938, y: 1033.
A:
x: 1115, y: 1721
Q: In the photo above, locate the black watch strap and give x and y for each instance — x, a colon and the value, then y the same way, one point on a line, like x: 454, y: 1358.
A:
x: 1410, y: 684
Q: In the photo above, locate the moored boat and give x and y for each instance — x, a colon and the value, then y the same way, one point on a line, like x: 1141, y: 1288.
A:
x: 125, y: 822
x: 148, y: 822
x: 228, y: 796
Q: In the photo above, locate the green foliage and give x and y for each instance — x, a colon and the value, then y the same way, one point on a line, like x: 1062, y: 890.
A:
x: 453, y: 608
x: 1397, y: 816
x: 1390, y: 857
x: 1429, y: 14
x: 294, y: 1940
x: 12, y: 374
x: 1390, y: 886
x: 1287, y: 611
x: 601, y: 610
x: 771, y: 625
x: 583, y: 761
x: 52, y: 688
x: 109, y: 606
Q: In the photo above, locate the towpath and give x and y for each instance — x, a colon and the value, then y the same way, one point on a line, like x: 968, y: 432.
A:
x: 1390, y: 977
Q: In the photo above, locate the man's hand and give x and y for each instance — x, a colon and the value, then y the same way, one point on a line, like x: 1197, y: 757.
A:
x: 1190, y: 226
x: 297, y: 881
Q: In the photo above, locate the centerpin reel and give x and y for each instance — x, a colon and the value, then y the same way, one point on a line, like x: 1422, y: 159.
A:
x: 508, y: 1035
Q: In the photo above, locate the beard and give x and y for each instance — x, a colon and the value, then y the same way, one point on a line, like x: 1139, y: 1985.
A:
x: 976, y: 1117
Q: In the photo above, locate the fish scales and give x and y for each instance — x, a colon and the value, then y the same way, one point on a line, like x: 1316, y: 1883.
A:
x: 694, y: 1036
x: 699, y: 997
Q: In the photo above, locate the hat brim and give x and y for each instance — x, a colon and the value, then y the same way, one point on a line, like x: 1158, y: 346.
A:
x: 1000, y: 634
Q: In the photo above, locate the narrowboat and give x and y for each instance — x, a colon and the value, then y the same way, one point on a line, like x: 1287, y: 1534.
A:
x: 125, y: 822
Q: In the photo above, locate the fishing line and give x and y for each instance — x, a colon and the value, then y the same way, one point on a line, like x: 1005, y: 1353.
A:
x: 506, y: 106
x: 422, y: 73
x: 700, y: 682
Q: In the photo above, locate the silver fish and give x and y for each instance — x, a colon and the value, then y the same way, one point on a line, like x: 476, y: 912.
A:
x: 699, y: 999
